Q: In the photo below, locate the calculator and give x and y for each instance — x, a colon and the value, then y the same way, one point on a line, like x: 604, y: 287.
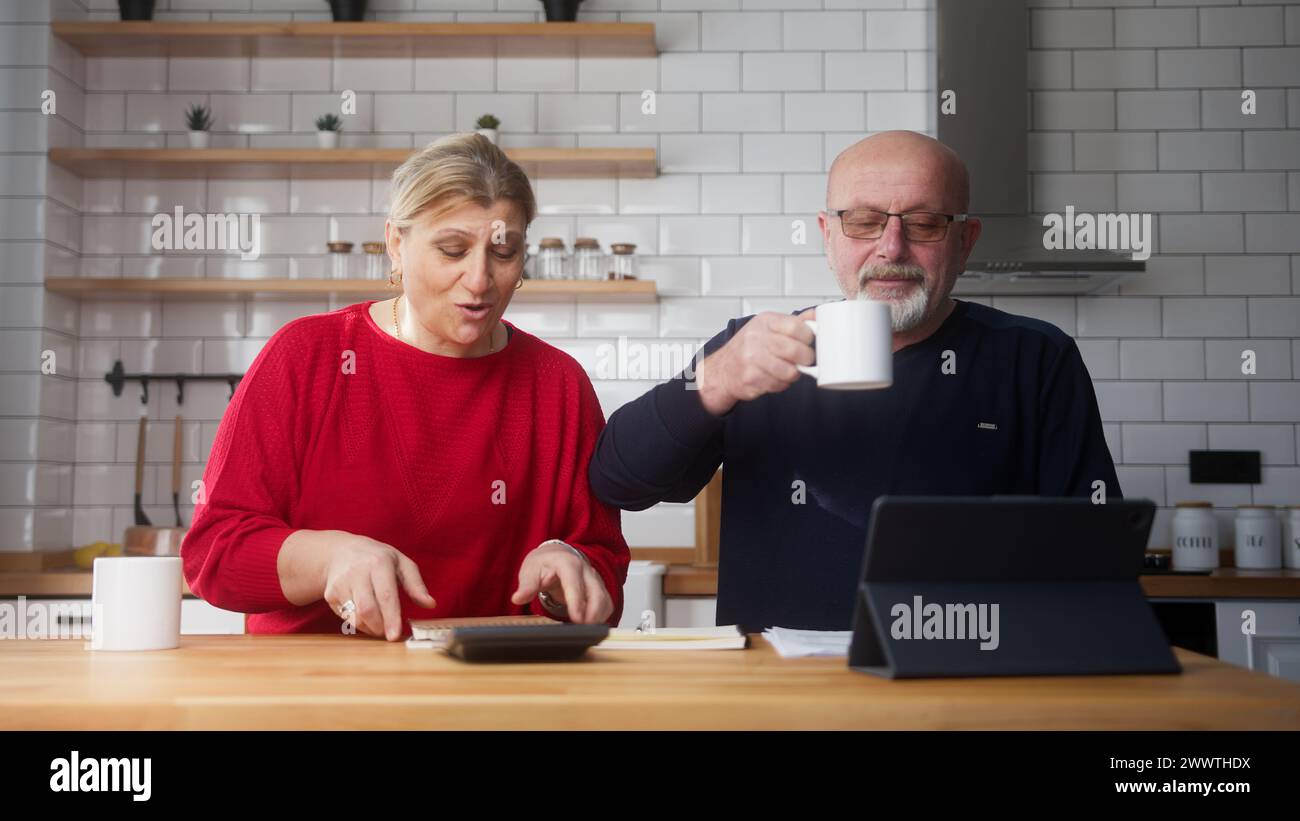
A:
x: 545, y: 642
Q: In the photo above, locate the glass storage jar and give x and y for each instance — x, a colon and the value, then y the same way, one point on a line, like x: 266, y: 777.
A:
x: 552, y: 259
x: 622, y: 260
x: 340, y: 257
x: 588, y: 261
x: 376, y: 260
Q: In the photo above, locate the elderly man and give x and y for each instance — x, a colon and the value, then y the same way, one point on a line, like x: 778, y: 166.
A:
x: 983, y: 402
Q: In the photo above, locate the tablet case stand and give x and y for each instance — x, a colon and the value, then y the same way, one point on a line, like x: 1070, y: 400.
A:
x: 1062, y: 572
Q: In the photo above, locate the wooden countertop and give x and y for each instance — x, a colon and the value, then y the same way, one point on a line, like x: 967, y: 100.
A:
x: 319, y: 682
x: 1224, y: 583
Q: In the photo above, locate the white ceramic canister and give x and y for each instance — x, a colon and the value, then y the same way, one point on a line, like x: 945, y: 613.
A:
x: 1258, y: 543
x: 1196, y: 537
x: 1291, y: 537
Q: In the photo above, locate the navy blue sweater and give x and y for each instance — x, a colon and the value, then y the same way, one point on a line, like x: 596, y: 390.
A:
x: 802, y: 467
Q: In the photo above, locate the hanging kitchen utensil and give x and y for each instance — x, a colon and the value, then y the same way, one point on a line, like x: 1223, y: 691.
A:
x: 141, y: 520
x: 176, y: 472
x: 143, y: 539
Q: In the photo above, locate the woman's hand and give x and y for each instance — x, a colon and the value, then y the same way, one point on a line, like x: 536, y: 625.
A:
x: 559, y: 571
x: 368, y: 573
x: 340, y: 566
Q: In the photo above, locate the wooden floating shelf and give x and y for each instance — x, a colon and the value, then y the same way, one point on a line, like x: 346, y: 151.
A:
x: 367, y: 39
x: 534, y: 290
x: 329, y: 163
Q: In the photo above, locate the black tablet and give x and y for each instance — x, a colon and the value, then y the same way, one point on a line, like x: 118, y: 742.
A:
x: 1006, y: 586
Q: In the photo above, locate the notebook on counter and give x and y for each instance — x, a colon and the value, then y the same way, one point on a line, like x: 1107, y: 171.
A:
x: 435, y: 633
x: 676, y: 638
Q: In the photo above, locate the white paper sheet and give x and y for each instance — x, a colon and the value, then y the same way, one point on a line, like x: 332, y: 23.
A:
x: 792, y: 643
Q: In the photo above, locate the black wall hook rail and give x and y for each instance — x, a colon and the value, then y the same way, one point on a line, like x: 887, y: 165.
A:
x: 117, y: 378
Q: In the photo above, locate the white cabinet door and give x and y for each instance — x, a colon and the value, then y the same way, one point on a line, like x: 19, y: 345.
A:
x: 1261, y: 635
x: 47, y: 618
x: 198, y: 618
x: 690, y: 611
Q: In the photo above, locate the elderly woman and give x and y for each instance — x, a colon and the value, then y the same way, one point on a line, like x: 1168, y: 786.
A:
x: 414, y: 457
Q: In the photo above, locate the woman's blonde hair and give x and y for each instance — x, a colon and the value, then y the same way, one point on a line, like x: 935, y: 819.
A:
x: 455, y: 170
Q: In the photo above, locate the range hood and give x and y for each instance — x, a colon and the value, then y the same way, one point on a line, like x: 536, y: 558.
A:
x: 982, y: 55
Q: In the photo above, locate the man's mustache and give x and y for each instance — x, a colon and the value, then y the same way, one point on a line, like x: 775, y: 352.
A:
x: 892, y: 271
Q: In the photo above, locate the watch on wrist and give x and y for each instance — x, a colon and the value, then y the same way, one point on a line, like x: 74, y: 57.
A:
x: 575, y: 551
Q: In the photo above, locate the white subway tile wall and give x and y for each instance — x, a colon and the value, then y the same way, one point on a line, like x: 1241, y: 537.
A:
x: 40, y: 229
x: 1145, y: 110
x: 1135, y: 106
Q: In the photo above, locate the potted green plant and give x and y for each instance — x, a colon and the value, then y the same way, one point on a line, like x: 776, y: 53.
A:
x: 327, y: 130
x: 561, y: 11
x: 135, y: 9
x: 348, y: 11
x: 487, y: 126
x: 198, y: 119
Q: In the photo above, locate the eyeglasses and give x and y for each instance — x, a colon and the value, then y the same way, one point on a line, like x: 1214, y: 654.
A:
x: 918, y: 226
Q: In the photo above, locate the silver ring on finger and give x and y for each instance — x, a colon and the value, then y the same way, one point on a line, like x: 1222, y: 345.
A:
x: 551, y: 604
x: 347, y: 610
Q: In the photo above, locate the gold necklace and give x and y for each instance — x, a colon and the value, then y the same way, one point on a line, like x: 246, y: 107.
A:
x: 397, y: 329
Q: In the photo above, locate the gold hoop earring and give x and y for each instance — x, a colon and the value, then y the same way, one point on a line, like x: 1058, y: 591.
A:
x: 519, y: 283
x: 398, y: 280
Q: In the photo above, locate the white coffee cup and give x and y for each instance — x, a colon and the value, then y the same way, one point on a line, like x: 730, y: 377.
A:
x: 854, y: 345
x: 136, y: 603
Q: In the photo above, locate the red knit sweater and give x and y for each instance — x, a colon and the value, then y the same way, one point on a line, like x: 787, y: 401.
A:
x: 464, y: 465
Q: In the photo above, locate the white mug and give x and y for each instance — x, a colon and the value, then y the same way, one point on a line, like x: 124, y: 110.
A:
x: 136, y: 603
x: 854, y: 345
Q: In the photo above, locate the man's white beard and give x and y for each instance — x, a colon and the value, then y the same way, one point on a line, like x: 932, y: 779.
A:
x: 907, y: 312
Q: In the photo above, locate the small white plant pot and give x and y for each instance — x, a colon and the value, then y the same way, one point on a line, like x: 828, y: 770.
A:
x: 327, y: 139
x: 490, y: 133
x: 198, y: 139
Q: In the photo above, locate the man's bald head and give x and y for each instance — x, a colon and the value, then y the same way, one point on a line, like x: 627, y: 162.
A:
x: 899, y: 172
x: 905, y: 156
